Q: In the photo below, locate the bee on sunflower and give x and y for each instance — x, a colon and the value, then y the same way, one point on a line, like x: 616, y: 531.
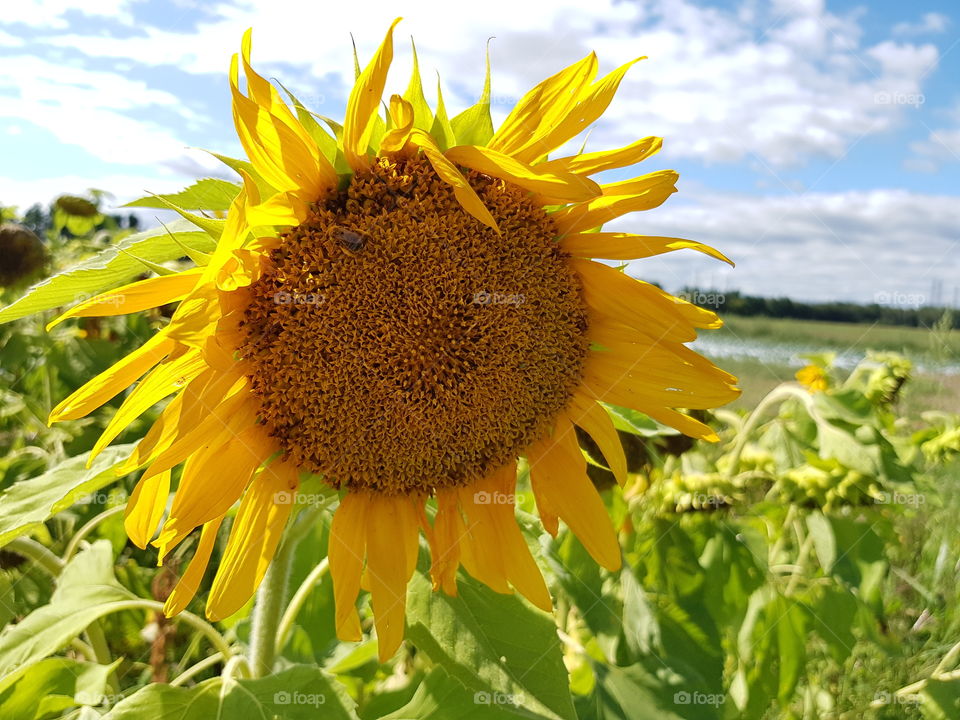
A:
x: 405, y: 308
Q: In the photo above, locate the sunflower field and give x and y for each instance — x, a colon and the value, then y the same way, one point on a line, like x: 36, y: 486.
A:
x: 368, y: 433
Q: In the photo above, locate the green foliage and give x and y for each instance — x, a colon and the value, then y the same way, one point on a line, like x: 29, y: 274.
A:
x: 802, y: 567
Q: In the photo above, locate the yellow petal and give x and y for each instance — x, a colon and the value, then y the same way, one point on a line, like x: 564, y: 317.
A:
x: 186, y: 587
x: 114, y: 380
x: 654, y: 376
x: 614, y: 294
x: 253, y: 540
x: 591, y: 163
x: 591, y: 104
x: 213, y: 479
x: 644, y: 193
x: 363, y: 104
x: 541, y: 109
x: 145, y: 507
x: 558, y: 475
x: 348, y: 544
x: 448, y: 529
x: 521, y: 569
x: 449, y: 173
x: 391, y: 530
x: 401, y: 112
x: 221, y: 423
x: 135, y: 297
x: 561, y: 186
x: 287, y: 159
x: 626, y: 246
x: 166, y: 378
x: 595, y: 421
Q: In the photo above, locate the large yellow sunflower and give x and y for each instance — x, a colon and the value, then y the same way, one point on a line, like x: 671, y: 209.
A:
x: 404, y: 309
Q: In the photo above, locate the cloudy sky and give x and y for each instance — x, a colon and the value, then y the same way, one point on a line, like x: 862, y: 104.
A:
x: 818, y: 142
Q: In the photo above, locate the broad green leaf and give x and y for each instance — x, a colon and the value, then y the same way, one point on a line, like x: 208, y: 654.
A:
x: 29, y: 503
x: 300, y: 692
x: 636, y: 423
x: 581, y: 578
x: 939, y: 699
x: 85, y: 591
x: 824, y: 541
x: 212, y: 226
x: 441, y: 696
x: 205, y: 194
x: 644, y: 691
x: 791, y: 643
x: 108, y: 269
x: 474, y: 126
x: 492, y: 643
x: 53, y: 685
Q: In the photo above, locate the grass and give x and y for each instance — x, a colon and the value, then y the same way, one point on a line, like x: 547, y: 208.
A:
x: 914, y: 342
x: 928, y: 389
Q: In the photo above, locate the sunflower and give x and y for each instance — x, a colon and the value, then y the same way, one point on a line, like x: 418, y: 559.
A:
x: 404, y: 309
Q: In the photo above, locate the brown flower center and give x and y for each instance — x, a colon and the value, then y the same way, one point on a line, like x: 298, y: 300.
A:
x: 400, y: 345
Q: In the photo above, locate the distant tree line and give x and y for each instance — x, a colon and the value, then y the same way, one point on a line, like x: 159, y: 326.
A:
x: 901, y: 310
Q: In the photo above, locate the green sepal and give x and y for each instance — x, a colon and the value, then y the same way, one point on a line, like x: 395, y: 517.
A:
x: 474, y: 126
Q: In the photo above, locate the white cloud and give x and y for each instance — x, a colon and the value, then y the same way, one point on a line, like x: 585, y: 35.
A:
x: 87, y: 108
x: 819, y: 246
x: 720, y: 85
x: 930, y: 23
x: 51, y: 13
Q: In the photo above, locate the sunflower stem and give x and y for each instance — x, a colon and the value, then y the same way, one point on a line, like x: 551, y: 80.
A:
x: 271, y: 599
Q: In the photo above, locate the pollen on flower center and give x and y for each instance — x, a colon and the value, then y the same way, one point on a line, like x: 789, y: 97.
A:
x: 399, y: 345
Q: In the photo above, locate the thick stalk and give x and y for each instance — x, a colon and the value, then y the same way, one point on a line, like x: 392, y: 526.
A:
x: 272, y: 595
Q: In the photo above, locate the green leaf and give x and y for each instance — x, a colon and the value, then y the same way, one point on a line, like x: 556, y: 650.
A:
x: 300, y: 692
x: 492, y: 643
x: 441, y: 696
x: 580, y: 578
x: 636, y: 423
x: 206, y: 194
x: 29, y: 503
x: 474, y: 126
x: 53, y: 685
x: 643, y: 691
x: 85, y: 591
x: 108, y: 269
x: 212, y: 226
x: 940, y: 699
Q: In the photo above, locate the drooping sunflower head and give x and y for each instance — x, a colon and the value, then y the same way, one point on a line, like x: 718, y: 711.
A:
x: 404, y: 306
x: 22, y: 255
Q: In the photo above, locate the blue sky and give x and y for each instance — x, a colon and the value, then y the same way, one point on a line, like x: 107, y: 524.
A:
x: 818, y: 142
